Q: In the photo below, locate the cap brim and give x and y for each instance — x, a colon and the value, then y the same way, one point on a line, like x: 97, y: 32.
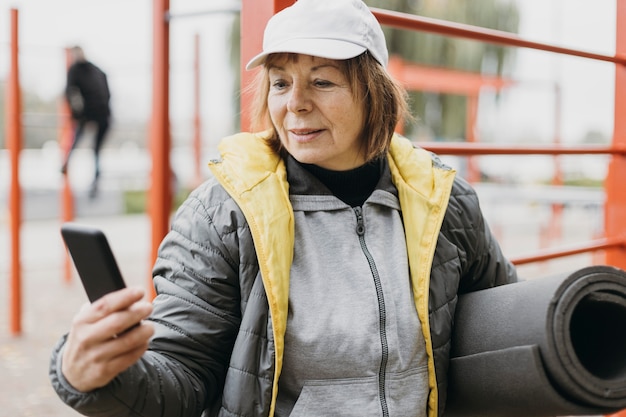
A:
x: 323, y: 48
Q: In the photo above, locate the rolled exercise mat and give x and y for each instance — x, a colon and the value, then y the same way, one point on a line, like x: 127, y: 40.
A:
x: 544, y: 347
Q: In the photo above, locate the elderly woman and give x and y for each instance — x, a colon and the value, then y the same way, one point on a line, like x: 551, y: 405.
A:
x: 316, y: 273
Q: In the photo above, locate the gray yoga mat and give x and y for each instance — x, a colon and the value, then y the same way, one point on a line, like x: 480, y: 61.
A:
x: 550, y: 346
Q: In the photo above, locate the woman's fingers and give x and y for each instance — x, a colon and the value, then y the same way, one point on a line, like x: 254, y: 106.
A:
x: 121, y: 321
x: 115, y: 301
x: 127, y: 348
x: 95, y: 367
x: 106, y: 338
x: 111, y: 315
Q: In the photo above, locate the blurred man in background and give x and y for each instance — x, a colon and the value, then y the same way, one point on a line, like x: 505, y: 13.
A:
x: 87, y: 93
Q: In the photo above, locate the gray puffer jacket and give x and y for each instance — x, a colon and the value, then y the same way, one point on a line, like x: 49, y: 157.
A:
x: 220, y: 312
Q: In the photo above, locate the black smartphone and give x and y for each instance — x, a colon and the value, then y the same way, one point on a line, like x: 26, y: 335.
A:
x: 93, y: 259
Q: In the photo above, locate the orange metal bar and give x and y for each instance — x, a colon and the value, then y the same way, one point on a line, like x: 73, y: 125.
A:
x: 594, y: 245
x: 65, y: 143
x: 14, y: 145
x: 197, y: 126
x: 615, y: 206
x: 161, y: 176
x: 449, y: 148
x: 442, y: 27
x: 558, y: 171
x: 254, y: 17
x: 555, y: 226
x: 442, y: 80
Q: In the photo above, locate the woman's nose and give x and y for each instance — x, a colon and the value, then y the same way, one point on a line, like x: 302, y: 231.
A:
x: 299, y: 99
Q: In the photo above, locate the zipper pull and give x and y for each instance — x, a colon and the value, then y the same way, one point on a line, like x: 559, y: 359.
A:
x: 360, y: 225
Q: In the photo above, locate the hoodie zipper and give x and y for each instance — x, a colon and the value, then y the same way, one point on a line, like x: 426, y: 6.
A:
x: 382, y: 317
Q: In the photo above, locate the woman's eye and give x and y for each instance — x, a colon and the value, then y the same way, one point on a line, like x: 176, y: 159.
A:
x: 278, y: 84
x: 322, y: 83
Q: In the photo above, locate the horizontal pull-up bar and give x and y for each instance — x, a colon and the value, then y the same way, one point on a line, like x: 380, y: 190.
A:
x: 234, y: 7
x: 594, y: 245
x: 443, y: 27
x: 224, y: 10
x: 468, y: 149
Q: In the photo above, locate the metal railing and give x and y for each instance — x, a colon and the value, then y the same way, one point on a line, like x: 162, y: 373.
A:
x: 614, y: 242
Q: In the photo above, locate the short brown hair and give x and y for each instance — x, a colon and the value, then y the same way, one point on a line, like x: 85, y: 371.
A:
x: 384, y: 100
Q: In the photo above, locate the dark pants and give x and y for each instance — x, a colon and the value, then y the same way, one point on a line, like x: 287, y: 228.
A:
x: 102, y: 126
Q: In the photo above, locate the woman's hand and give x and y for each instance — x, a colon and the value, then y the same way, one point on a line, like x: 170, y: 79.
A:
x: 103, y: 342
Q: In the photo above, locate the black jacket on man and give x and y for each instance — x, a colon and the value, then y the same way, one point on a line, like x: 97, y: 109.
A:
x: 87, y: 92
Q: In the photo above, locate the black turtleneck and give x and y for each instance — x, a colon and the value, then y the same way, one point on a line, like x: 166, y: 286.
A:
x: 352, y: 187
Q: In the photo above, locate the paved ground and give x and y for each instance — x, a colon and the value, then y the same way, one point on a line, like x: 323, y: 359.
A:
x: 48, y: 304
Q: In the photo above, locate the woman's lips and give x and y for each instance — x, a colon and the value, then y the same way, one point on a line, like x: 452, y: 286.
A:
x: 304, y: 135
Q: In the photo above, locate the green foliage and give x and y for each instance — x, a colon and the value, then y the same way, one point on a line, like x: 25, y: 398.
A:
x: 584, y: 182
x: 136, y: 201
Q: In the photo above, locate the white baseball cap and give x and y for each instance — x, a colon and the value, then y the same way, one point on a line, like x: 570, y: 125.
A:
x: 334, y: 29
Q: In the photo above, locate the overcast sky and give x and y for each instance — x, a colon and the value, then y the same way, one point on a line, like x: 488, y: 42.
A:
x: 116, y: 35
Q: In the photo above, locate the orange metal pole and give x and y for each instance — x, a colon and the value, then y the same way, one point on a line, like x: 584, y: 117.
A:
x: 65, y: 143
x: 615, y: 206
x: 161, y: 175
x: 557, y: 179
x: 14, y: 145
x: 471, y: 114
x: 254, y: 16
x: 555, y: 227
x: 197, y: 126
x: 396, y: 68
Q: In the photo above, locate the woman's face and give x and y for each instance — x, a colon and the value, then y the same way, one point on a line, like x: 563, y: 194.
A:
x: 315, y: 112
